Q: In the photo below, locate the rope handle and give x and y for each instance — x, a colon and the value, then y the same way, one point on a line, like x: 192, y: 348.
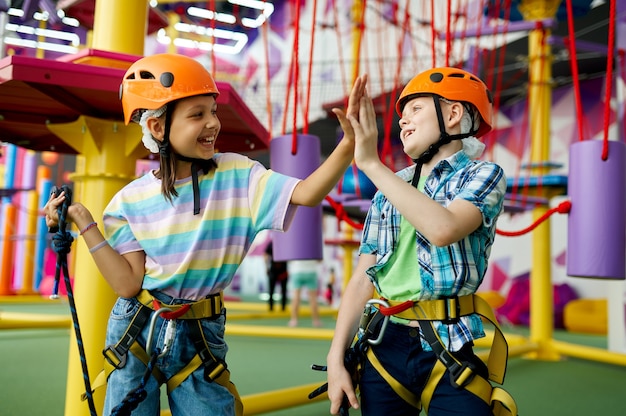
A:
x: 62, y: 239
x: 62, y: 210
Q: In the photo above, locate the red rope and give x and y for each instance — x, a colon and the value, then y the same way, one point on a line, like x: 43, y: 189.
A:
x: 433, y: 32
x: 448, y: 35
x: 342, y: 64
x: 342, y: 215
x: 305, y: 127
x: 490, y: 139
x: 213, y: 59
x: 268, y: 95
x: 621, y: 53
x: 287, y: 96
x: 296, y: 78
x: 571, y: 45
x: 609, y: 80
x: 563, y: 208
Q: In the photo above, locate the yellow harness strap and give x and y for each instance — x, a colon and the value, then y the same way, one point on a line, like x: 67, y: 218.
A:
x: 445, y: 309
x: 204, y: 308
x: 402, y: 391
x: 223, y: 379
x: 454, y: 308
x: 501, y: 402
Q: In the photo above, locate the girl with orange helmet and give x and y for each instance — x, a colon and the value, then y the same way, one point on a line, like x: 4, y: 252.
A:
x: 176, y: 236
x: 425, y: 246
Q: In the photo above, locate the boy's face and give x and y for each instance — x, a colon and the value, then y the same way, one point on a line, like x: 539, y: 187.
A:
x: 419, y: 125
x: 195, y: 127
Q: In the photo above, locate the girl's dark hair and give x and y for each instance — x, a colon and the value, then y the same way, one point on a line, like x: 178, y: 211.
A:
x: 167, y: 174
x: 167, y: 158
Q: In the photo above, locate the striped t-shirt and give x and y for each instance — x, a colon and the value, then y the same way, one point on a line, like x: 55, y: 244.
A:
x: 191, y: 256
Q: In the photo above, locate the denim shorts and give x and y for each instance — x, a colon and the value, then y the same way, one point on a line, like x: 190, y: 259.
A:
x: 194, y: 396
x: 401, y: 354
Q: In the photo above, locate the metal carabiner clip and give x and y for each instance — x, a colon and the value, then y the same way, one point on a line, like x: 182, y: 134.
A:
x: 383, y: 326
x: 153, y: 321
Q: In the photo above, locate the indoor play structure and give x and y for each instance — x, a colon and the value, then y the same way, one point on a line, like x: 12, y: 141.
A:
x: 69, y: 104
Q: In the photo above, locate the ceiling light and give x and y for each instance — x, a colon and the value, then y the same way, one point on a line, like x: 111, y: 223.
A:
x: 211, y: 15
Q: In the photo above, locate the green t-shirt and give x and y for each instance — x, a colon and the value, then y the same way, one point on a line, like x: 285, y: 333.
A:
x: 399, y: 279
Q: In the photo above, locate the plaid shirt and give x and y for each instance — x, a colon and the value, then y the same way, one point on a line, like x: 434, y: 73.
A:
x: 457, y: 269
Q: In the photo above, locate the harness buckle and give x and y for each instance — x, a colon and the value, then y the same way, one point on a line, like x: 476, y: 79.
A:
x: 114, y: 358
x: 461, y: 373
x: 452, y: 310
x: 213, y: 369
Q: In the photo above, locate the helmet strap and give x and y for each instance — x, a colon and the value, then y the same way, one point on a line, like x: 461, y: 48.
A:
x: 197, y: 164
x: 444, y: 138
x: 164, y: 145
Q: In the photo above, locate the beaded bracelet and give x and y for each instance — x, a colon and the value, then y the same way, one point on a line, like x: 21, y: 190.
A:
x: 88, y: 227
x: 98, y: 246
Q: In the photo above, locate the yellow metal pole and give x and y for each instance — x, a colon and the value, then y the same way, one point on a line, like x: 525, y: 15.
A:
x: 109, y: 151
x: 357, y: 17
x: 120, y: 26
x: 540, y: 96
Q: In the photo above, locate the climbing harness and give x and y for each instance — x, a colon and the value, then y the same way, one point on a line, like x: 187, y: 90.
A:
x: 150, y: 309
x: 462, y: 373
x: 355, y: 355
x: 61, y: 242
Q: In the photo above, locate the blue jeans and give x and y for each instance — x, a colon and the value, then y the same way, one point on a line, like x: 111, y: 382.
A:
x: 401, y: 354
x: 194, y: 396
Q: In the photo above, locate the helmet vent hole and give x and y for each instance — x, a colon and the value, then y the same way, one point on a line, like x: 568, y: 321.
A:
x: 436, y: 77
x: 167, y: 79
x: 145, y: 75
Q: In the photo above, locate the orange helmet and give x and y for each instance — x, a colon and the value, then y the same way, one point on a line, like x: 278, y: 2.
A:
x: 453, y: 84
x: 153, y: 81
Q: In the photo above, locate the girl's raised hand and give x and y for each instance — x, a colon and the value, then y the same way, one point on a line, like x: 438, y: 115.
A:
x: 354, y: 105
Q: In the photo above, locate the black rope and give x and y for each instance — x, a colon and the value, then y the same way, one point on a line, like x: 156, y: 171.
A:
x: 353, y: 359
x: 61, y: 243
x: 139, y: 394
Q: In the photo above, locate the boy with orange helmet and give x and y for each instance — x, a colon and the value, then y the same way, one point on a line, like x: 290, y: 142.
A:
x: 176, y: 236
x: 423, y: 254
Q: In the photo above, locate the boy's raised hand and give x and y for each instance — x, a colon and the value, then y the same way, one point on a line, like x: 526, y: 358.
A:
x: 354, y: 104
x: 366, y: 134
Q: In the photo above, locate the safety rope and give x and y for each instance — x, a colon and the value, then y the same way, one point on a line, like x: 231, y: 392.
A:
x: 433, y: 34
x: 61, y: 243
x: 296, y: 79
x: 341, y: 213
x: 609, y: 79
x: 305, y: 127
x: 139, y: 394
x: 571, y: 46
x: 563, y: 208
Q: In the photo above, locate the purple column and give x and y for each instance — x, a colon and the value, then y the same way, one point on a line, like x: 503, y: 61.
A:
x: 596, y: 240
x: 303, y: 239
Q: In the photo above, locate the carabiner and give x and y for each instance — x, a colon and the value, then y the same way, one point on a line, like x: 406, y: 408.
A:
x: 151, y: 331
x: 383, y: 326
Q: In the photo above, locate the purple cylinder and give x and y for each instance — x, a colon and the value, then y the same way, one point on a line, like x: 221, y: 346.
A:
x: 596, y: 240
x: 303, y: 239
